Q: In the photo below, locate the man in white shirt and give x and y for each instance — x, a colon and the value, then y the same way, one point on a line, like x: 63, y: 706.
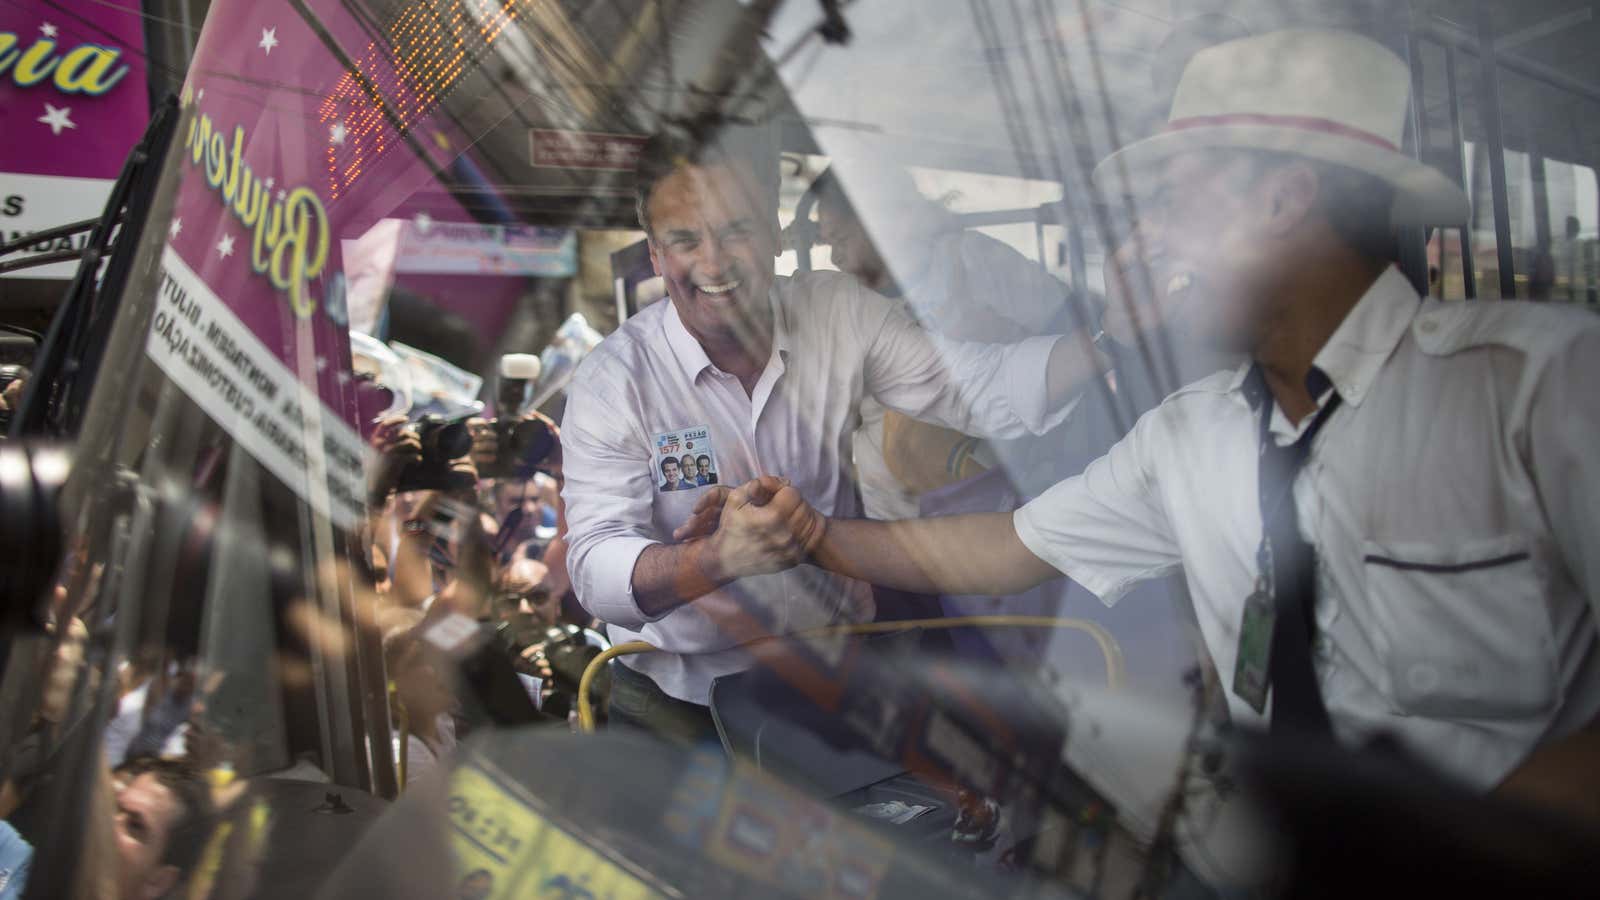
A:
x: 959, y: 283
x: 1441, y: 495
x: 764, y: 376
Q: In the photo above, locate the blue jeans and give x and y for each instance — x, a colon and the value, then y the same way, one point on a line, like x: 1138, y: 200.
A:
x: 637, y: 703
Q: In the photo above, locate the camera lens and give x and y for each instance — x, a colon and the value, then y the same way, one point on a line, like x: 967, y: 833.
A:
x: 453, y: 440
x: 530, y: 441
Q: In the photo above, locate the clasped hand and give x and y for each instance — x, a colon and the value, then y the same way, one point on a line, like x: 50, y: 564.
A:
x: 759, y: 527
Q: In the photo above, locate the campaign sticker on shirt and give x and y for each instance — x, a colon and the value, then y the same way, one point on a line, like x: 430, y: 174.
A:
x: 684, y: 459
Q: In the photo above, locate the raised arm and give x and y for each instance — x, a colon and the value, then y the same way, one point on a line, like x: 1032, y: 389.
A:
x: 987, y: 390
x: 971, y: 554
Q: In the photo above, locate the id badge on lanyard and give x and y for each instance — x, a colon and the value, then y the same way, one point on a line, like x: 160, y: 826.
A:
x: 1252, y: 664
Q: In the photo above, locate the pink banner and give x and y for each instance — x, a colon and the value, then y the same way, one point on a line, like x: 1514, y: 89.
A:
x: 73, y: 94
x: 299, y: 130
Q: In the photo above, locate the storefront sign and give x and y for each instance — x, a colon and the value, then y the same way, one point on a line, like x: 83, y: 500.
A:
x: 73, y: 102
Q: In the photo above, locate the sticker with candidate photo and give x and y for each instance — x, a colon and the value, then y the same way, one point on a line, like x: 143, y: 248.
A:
x: 684, y: 460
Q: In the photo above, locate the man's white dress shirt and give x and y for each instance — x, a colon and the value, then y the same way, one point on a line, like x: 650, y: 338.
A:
x: 975, y: 288
x: 1453, y: 501
x: 650, y: 387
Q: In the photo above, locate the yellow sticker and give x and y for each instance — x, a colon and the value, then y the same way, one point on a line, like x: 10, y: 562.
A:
x: 504, y: 849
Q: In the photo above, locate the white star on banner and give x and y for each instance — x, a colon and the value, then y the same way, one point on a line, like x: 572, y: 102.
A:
x: 337, y: 133
x: 423, y: 221
x: 200, y: 94
x: 269, y: 183
x: 175, y: 229
x: 269, y: 39
x: 49, y: 31
x: 225, y: 246
x: 342, y: 377
x: 57, y: 118
x: 322, y: 363
x: 282, y: 194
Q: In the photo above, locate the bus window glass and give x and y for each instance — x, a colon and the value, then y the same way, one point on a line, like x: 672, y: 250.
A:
x: 677, y: 448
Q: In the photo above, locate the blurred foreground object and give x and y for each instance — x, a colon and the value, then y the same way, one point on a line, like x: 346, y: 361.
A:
x: 31, y: 476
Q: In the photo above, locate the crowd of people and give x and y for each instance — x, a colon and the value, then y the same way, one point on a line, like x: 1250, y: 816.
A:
x: 178, y: 805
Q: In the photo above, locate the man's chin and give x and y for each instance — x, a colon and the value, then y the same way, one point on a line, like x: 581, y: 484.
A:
x: 1207, y: 323
x: 1219, y: 340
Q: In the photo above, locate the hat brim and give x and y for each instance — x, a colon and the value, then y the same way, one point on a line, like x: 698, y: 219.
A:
x: 1423, y: 195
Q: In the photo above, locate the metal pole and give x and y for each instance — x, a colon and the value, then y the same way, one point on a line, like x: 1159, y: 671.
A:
x: 1469, y: 270
x: 1489, y: 111
x: 1466, y: 40
x: 1038, y: 239
x: 1411, y: 242
x: 1541, y: 280
x: 1076, y: 259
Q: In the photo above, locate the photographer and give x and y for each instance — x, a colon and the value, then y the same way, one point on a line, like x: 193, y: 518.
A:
x: 548, y: 650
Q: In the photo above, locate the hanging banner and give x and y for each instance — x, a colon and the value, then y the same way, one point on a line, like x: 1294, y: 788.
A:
x: 428, y: 247
x: 73, y: 102
x: 211, y: 355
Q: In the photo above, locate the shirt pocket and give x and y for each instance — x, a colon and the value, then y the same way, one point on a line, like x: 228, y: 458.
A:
x: 672, y: 509
x: 1466, y: 627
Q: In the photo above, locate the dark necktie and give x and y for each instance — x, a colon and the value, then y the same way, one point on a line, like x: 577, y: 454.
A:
x: 1296, y: 701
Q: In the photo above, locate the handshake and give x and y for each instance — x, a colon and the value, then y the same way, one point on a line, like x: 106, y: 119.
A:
x: 759, y: 527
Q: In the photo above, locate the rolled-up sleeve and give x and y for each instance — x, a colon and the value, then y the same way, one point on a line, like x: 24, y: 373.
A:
x: 1105, y: 529
x: 988, y: 390
x: 607, y: 495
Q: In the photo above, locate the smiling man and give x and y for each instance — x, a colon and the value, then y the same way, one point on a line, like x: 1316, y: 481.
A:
x: 766, y: 374
x: 671, y: 476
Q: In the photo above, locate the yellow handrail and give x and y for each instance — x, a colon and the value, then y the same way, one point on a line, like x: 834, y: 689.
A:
x: 1110, y: 650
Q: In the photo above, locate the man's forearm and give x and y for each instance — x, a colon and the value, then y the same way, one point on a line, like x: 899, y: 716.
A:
x: 972, y: 554
x: 666, y: 576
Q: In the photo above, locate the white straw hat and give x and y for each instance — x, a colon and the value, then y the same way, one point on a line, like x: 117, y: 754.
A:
x: 1332, y: 96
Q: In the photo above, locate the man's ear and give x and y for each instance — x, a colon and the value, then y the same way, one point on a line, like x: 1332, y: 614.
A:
x: 160, y: 882
x: 1292, y: 193
x: 655, y: 262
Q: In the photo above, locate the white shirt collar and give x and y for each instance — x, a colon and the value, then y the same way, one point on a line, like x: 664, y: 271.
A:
x: 1367, y: 337
x: 1364, y: 341
x: 692, y: 357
